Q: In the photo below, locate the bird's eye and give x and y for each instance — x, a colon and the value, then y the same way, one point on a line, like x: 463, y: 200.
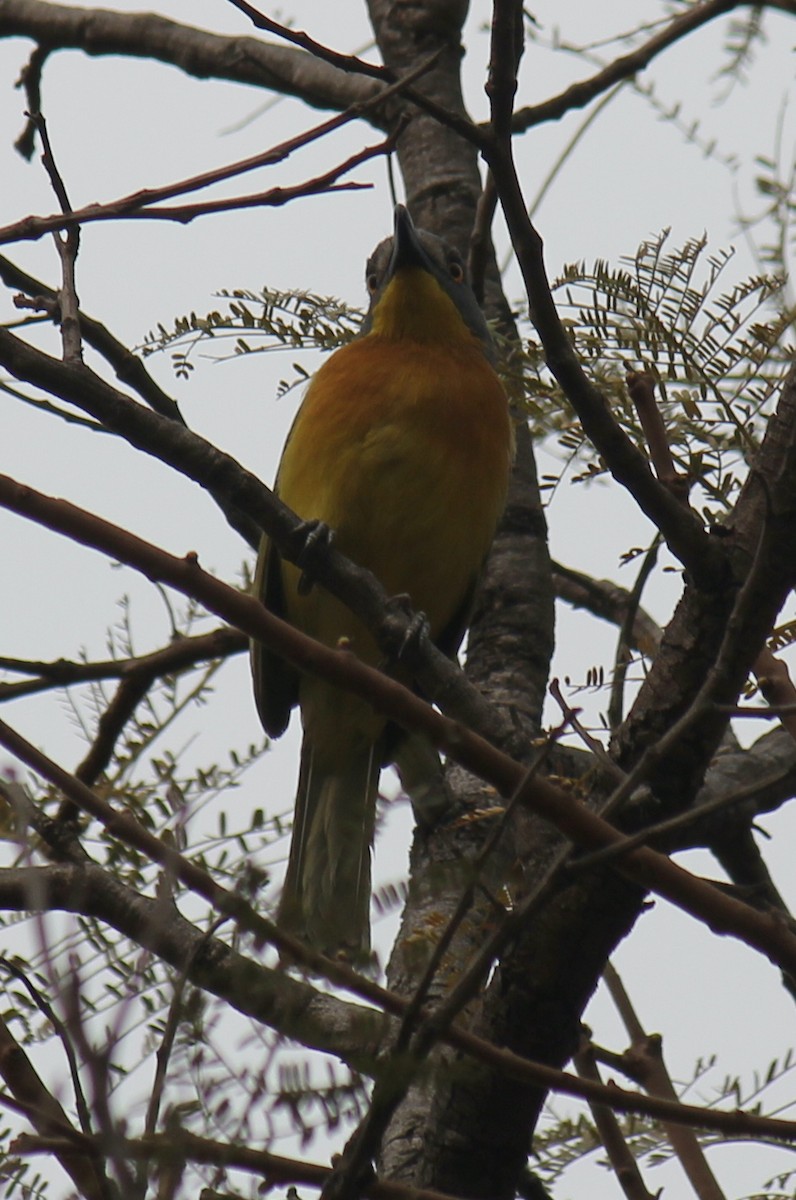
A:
x: 372, y: 282
x: 456, y: 270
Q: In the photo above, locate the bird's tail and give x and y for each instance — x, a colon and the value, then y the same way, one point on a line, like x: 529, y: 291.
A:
x: 326, y: 895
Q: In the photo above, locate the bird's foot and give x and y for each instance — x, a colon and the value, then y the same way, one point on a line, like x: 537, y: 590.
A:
x: 311, y: 535
x: 418, y: 628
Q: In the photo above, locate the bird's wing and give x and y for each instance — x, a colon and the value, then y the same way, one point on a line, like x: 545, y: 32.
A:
x: 276, y: 683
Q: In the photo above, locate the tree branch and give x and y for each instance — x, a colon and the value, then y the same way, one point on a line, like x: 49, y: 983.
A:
x: 680, y: 527
x: 178, y: 656
x: 50, y: 1119
x: 642, y: 865
x: 318, y: 1020
x: 294, y: 1008
x: 179, y: 1146
x: 644, y: 1062
x: 203, y: 55
x: 578, y: 95
x: 129, y: 367
x: 138, y: 206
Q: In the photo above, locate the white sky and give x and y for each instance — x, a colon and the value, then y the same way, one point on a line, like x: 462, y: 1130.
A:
x: 117, y: 126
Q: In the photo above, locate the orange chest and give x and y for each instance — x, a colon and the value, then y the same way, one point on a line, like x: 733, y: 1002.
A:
x: 404, y: 450
x: 386, y: 413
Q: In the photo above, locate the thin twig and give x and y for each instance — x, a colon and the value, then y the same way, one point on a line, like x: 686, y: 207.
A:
x: 131, y: 206
x: 645, y: 1056
x: 625, y: 67
x: 614, y: 1142
x: 68, y: 246
x: 181, y: 655
x: 96, y: 1066
x: 661, y: 829
x: 593, y: 743
x: 61, y: 1033
x: 641, y: 389
x: 30, y: 81
x: 348, y: 62
x: 170, y: 1029
x: 622, y: 656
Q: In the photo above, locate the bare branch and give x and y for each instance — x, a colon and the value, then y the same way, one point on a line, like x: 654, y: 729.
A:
x: 624, y: 1164
x: 297, y: 37
x: 318, y: 1020
x: 681, y: 529
x: 63, y: 1036
x: 580, y: 94
x: 660, y: 831
x: 644, y: 1062
x: 128, y: 366
x: 641, y: 387
x: 180, y: 655
x: 198, y: 53
x: 30, y: 80
x: 137, y: 205
x: 291, y: 1006
x: 49, y: 1118
x: 68, y: 246
x: 644, y: 866
x: 622, y: 657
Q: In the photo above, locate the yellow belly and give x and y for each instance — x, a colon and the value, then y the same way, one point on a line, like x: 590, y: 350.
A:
x: 410, y: 471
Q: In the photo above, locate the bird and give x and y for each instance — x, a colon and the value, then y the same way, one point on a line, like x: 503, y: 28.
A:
x: 402, y: 449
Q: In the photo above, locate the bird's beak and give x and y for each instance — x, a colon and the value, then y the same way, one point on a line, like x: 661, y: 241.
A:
x: 407, y: 250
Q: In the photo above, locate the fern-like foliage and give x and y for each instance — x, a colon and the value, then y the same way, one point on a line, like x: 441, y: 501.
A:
x: 745, y: 35
x: 312, y: 1103
x: 718, y: 350
x: 719, y: 357
x: 255, y: 323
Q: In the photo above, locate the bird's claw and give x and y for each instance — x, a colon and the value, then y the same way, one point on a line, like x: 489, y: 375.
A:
x: 418, y: 627
x: 312, y: 535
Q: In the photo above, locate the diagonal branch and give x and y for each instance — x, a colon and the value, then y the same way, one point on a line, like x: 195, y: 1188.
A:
x: 651, y: 870
x: 644, y: 1061
x: 578, y: 95
x: 320, y: 1021
x: 129, y: 367
x: 68, y: 246
x: 297, y: 37
x: 49, y: 1118
x: 613, y: 1139
x: 139, y: 205
x: 292, y: 1007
